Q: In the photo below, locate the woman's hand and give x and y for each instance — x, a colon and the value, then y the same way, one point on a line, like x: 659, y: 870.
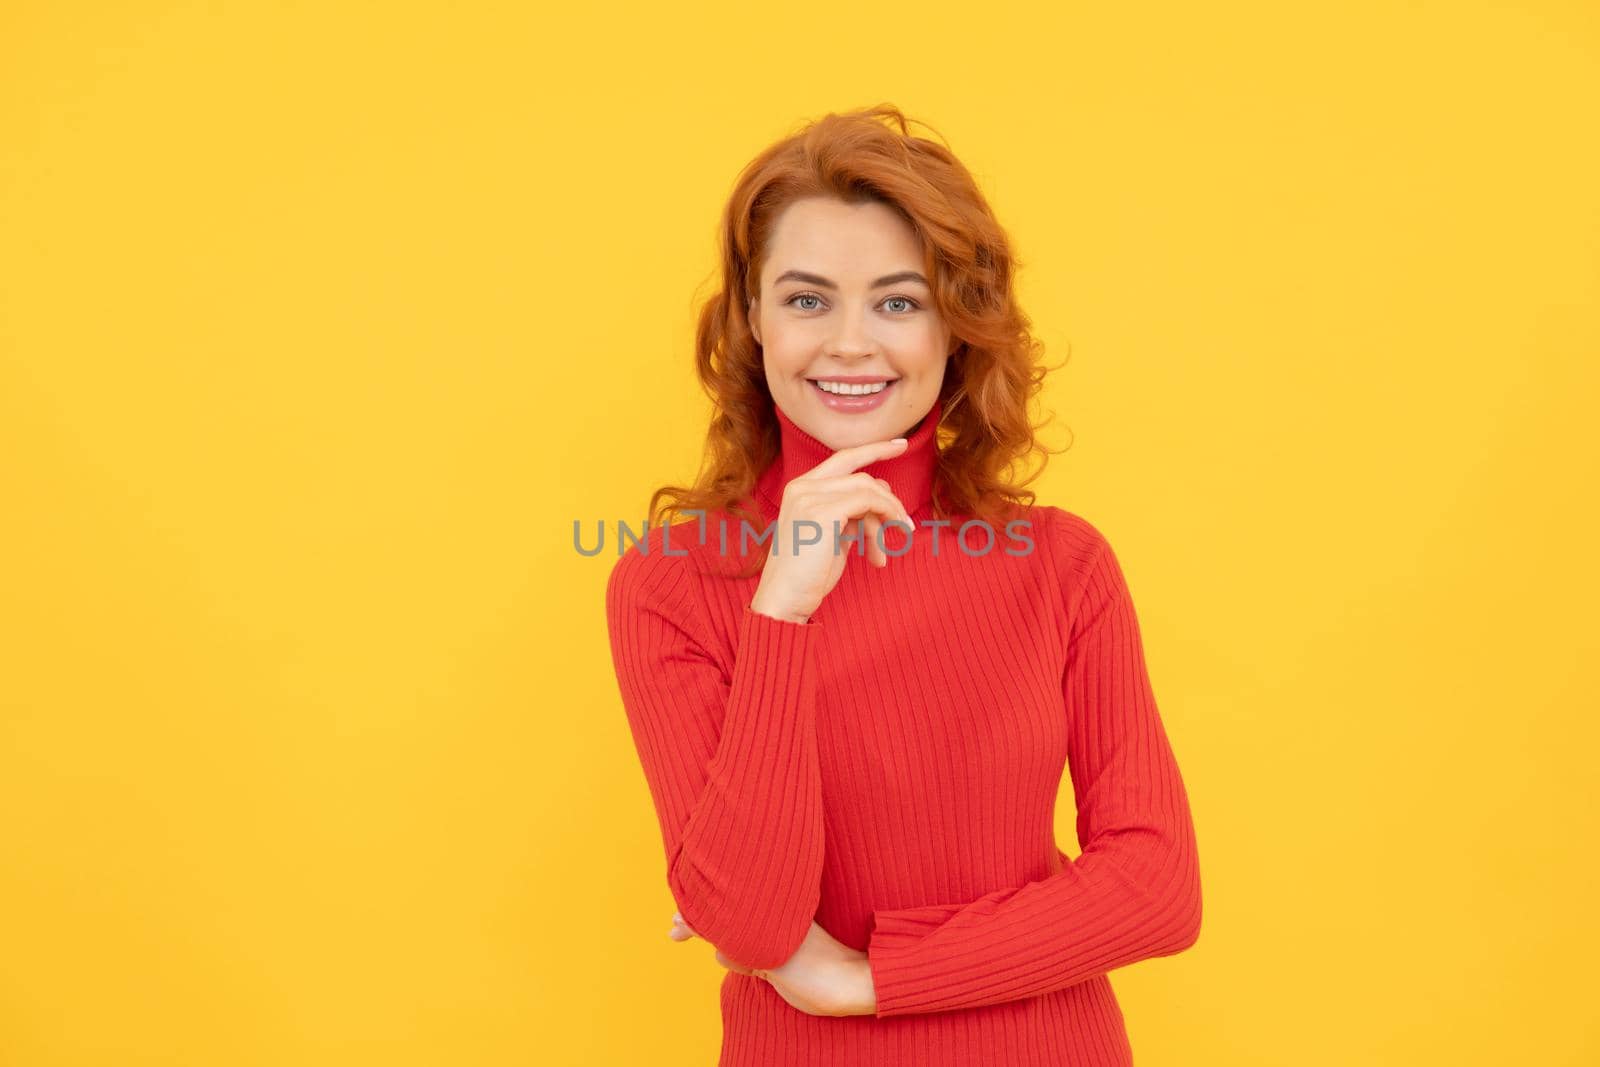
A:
x: 823, y: 977
x: 794, y: 581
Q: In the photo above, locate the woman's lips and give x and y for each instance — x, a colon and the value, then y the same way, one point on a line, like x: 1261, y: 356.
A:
x: 853, y: 403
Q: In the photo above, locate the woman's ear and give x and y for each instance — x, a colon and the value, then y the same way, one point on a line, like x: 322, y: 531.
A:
x: 754, y: 320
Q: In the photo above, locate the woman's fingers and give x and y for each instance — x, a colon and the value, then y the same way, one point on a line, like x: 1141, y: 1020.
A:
x: 863, y: 493
x: 847, y: 460
x: 682, y: 932
x: 849, y: 496
x: 855, y: 501
x: 874, y: 552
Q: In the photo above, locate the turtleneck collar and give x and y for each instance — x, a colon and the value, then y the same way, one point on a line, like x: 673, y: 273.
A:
x: 910, y: 474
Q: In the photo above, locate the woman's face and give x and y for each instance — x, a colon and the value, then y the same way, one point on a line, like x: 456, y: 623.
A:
x: 843, y: 297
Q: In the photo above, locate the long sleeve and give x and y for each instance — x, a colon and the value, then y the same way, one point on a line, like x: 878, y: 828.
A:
x: 1132, y: 894
x: 730, y: 756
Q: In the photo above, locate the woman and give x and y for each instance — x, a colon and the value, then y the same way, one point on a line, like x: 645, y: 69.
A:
x: 855, y: 761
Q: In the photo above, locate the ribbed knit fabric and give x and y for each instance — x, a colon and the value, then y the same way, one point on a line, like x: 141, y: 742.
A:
x: 890, y: 770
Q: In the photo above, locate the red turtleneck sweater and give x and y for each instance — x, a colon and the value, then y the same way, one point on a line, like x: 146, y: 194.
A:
x: 890, y: 769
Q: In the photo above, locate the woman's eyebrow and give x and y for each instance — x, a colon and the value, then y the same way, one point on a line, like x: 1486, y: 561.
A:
x: 820, y: 281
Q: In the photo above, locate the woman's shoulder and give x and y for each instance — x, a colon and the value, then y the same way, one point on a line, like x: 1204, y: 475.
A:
x: 1066, y: 529
x: 654, y: 564
x: 1072, y: 541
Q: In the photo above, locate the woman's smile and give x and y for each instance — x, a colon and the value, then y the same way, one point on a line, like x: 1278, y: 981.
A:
x: 847, y: 395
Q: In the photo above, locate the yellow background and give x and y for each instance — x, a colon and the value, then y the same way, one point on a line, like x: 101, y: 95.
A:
x: 320, y: 324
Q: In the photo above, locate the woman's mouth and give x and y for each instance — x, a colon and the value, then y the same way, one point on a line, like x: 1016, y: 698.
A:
x: 852, y: 396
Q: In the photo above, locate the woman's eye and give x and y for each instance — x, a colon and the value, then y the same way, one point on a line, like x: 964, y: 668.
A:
x: 910, y: 305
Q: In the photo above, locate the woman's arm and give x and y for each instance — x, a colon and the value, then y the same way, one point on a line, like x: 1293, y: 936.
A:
x: 1133, y: 893
x: 730, y: 757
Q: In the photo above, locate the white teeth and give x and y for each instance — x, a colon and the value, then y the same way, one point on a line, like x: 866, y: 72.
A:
x: 843, y: 389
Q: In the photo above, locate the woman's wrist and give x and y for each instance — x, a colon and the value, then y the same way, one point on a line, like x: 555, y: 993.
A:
x: 863, y: 995
x: 761, y: 607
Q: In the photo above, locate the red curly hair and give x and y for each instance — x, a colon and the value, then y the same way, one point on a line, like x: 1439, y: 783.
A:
x: 992, y: 376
